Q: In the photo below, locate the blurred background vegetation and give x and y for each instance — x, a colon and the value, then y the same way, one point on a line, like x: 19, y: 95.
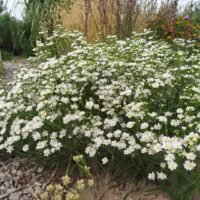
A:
x: 97, y: 19
x: 14, y: 34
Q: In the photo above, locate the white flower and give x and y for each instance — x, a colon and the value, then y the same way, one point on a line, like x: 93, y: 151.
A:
x: 198, y: 147
x: 91, y: 151
x: 175, y: 122
x: 179, y: 110
x: 36, y: 136
x: 45, y: 134
x: 65, y: 100
x: 163, y: 165
x: 55, y: 144
x: 89, y: 105
x: 104, y: 160
x: 46, y: 152
x: 172, y: 165
x: 25, y: 148
x: 190, y: 156
x: 151, y: 176
x: 157, y: 147
x: 144, y: 125
x: 130, y: 124
x: 62, y: 133
x: 54, y: 135
x: 153, y: 114
x: 41, y: 145
x: 155, y: 85
x: 157, y: 126
x: 169, y: 157
x: 188, y: 165
x: 161, y: 176
x: 162, y: 119
x: 168, y: 114
x: 127, y: 92
x: 117, y: 133
x: 37, y: 123
x: 110, y: 122
x: 9, y: 149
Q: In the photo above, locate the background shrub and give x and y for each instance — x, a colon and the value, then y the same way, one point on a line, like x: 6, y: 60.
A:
x: 183, y: 27
x: 14, y: 36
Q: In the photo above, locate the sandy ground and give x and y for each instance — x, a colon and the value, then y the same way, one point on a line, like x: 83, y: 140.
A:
x: 11, y: 67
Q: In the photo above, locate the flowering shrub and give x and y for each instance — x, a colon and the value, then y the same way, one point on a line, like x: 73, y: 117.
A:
x: 132, y: 97
x: 181, y: 27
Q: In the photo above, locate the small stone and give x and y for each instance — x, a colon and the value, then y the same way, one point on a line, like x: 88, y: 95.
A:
x: 7, y: 184
x: 39, y: 170
x: 15, y: 181
x: 3, y: 168
x: 7, y: 177
x: 16, y: 164
x: 2, y: 175
x: 28, y: 190
x: 3, y: 189
x: 14, y: 171
x: 37, y: 184
x: 15, y: 196
x: 10, y: 190
x: 27, y: 172
x: 25, y: 197
x: 19, y: 173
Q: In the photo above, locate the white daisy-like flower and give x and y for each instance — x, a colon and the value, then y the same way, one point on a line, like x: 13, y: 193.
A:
x: 151, y: 176
x: 104, y: 160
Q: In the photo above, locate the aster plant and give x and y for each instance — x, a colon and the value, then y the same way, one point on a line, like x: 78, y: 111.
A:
x: 135, y: 99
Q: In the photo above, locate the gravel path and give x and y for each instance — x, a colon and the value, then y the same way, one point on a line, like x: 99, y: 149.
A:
x: 20, y: 178
x: 10, y: 68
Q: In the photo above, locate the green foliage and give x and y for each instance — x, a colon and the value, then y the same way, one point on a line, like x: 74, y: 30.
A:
x: 196, y: 13
x: 183, y: 186
x: 1, y: 66
x: 19, y: 37
x: 2, y: 7
x: 181, y: 27
x: 7, y: 25
x: 128, y: 104
x: 41, y: 15
x: 2, y: 71
x: 6, y: 55
x: 14, y: 36
x: 168, y: 24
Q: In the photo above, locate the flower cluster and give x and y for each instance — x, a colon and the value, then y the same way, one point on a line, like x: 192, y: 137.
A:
x: 133, y: 96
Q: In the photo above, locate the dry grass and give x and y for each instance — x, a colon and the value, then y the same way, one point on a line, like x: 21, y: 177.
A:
x: 74, y: 20
x: 102, y: 17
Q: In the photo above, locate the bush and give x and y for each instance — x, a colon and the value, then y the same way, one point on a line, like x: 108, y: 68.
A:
x: 130, y: 103
x: 182, y: 27
x: 6, y: 36
x: 6, y: 55
x: 14, y: 36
